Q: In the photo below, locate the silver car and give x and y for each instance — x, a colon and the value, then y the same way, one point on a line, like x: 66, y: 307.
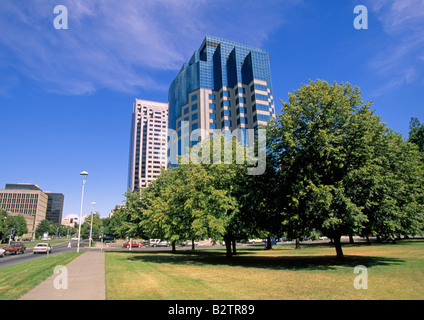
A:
x: 42, y: 248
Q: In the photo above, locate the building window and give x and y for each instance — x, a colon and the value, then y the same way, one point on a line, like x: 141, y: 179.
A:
x: 263, y: 117
x: 211, y: 96
x: 212, y: 106
x: 194, y: 97
x: 194, y: 116
x: 225, y: 113
x: 212, y: 116
x: 240, y: 100
x: 212, y: 126
x: 261, y: 97
x: 226, y: 123
x: 225, y: 103
x: 194, y: 107
x: 186, y: 110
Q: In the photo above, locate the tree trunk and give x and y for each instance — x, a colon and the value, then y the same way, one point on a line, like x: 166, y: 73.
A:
x: 338, y: 246
x: 227, y: 241
x: 268, y: 242
x: 173, y: 247
x: 368, y: 240
x: 351, y: 239
x: 233, y: 242
x: 193, y: 247
x: 297, y: 243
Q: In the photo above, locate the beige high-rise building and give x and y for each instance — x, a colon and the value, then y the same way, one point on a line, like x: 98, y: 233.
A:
x: 148, y: 143
x: 27, y: 200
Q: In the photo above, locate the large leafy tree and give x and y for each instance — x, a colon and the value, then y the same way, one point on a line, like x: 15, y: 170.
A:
x: 126, y: 221
x: 200, y: 200
x: 333, y: 165
x: 17, y: 222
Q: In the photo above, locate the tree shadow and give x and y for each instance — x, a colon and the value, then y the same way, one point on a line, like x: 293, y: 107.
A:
x: 247, y: 260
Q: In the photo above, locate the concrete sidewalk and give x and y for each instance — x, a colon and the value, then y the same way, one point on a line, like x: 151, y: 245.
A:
x: 85, y: 281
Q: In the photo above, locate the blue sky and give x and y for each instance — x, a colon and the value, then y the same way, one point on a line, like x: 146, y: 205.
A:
x: 66, y: 95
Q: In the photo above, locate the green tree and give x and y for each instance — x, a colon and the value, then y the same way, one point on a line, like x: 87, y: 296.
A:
x: 43, y: 227
x: 4, y: 232
x: 126, y: 221
x: 18, y: 223
x: 329, y: 146
x: 416, y: 133
x: 97, y: 224
x: 199, y: 200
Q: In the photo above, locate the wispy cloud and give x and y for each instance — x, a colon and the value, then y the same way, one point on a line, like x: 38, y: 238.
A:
x: 121, y: 47
x: 401, y: 59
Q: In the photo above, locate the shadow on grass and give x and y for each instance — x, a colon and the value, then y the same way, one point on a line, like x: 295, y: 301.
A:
x: 246, y: 259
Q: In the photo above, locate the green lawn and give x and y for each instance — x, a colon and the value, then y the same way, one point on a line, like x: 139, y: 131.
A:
x: 313, y: 272
x: 18, y: 279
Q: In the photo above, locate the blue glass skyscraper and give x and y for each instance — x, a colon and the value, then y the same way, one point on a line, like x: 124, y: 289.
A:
x: 225, y: 85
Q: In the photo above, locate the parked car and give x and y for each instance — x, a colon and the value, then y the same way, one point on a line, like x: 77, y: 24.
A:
x: 163, y: 243
x: 15, y: 247
x: 107, y: 239
x: 189, y: 243
x: 153, y: 242
x: 2, y: 252
x: 42, y: 247
x: 133, y: 244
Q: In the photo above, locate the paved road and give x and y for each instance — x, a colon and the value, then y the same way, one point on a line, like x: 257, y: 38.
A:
x: 9, y: 260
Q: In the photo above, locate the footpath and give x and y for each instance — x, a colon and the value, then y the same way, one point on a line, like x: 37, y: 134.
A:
x: 83, y: 279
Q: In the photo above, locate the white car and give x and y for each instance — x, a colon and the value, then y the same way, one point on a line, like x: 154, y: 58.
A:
x: 154, y: 242
x: 163, y: 243
x: 42, y: 248
x: 2, y: 251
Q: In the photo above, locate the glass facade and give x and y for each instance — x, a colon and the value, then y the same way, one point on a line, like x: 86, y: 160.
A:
x: 218, y: 63
x: 227, y: 84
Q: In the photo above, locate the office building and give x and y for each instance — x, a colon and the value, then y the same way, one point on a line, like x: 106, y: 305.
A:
x: 32, y: 203
x: 54, y: 207
x: 148, y: 143
x: 225, y: 85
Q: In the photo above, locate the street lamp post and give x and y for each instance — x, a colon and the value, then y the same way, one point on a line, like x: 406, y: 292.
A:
x: 84, y: 173
x: 91, y: 225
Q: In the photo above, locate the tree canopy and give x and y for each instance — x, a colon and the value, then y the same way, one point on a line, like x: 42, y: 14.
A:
x: 332, y: 168
x: 342, y: 171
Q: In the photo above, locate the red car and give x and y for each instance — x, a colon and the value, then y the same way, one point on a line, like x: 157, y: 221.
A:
x: 15, y: 247
x: 133, y: 245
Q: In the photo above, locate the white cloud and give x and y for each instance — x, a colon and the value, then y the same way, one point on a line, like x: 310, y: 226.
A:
x: 400, y: 60
x: 120, y: 46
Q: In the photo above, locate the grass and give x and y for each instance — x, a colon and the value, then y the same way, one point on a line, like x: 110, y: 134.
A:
x: 18, y: 279
x: 313, y: 272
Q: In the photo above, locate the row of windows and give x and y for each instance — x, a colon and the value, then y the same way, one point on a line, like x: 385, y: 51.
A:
x: 259, y: 97
x: 261, y: 117
x: 262, y: 107
x: 18, y: 196
x: 258, y: 86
